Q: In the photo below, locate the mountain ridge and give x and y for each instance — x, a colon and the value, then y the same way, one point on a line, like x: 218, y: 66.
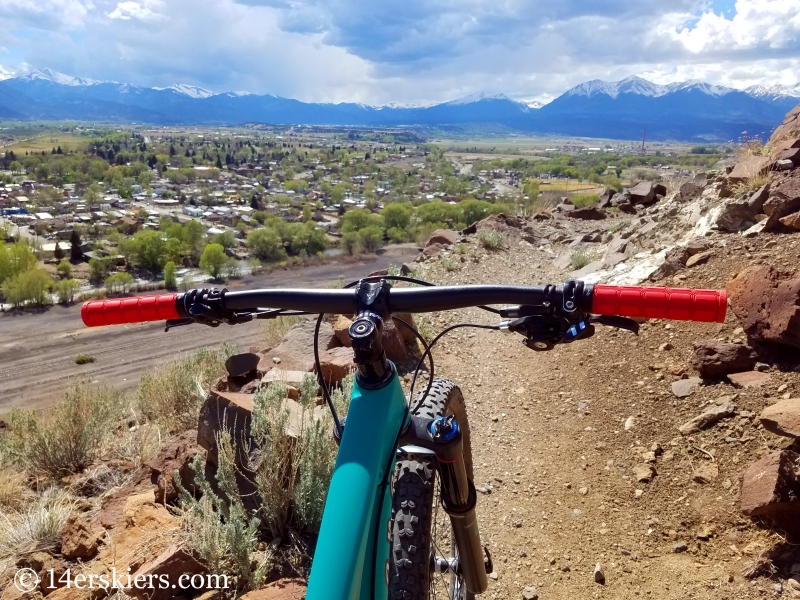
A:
x: 684, y: 111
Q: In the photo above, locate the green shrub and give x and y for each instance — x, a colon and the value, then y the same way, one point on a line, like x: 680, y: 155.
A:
x: 66, y: 290
x: 29, y: 288
x: 584, y: 200
x: 450, y: 264
x: 580, y: 259
x: 67, y: 437
x: 170, y: 278
x: 64, y: 268
x: 119, y: 283
x: 173, y: 393
x: 83, y: 359
x: 490, y: 239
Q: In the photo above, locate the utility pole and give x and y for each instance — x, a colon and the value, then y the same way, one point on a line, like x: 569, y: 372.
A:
x: 644, y: 137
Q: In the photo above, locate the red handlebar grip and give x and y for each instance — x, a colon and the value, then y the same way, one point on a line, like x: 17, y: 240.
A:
x: 118, y: 311
x: 660, y: 303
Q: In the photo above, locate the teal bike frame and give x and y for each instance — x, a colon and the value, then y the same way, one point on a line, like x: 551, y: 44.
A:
x: 351, y: 558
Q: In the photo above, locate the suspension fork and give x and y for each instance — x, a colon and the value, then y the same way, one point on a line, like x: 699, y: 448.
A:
x: 443, y: 436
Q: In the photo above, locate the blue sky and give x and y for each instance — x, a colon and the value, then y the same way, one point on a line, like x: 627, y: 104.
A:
x: 409, y: 51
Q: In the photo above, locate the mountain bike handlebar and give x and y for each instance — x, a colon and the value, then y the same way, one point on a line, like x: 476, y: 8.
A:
x: 629, y: 301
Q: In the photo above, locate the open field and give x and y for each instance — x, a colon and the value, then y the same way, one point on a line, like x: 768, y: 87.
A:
x: 568, y: 185
x: 46, y: 143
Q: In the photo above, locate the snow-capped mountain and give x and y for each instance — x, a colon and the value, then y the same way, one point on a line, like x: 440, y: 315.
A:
x: 56, y: 77
x: 188, y: 90
x: 690, y: 110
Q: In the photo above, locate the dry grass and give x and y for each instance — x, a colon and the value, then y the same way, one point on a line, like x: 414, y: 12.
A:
x: 490, y: 239
x: 172, y: 394
x: 580, y: 258
x: 14, y: 489
x: 67, y: 437
x: 38, y: 525
x: 138, y: 445
x: 273, y: 330
x: 751, y: 184
x: 750, y: 146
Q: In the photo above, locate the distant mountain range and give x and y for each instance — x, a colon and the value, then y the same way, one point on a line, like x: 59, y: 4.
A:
x: 687, y: 111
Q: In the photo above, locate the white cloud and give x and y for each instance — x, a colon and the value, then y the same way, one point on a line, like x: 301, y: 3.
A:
x: 410, y: 51
x: 768, y: 24
x: 136, y: 10
x: 6, y: 73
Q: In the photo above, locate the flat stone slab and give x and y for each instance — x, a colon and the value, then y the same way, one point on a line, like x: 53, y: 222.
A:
x: 782, y: 418
x: 749, y: 379
x: 707, y: 418
x: 684, y: 387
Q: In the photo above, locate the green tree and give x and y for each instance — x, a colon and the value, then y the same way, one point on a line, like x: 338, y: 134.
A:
x: 99, y: 269
x: 358, y: 219
x: 15, y: 259
x: 15, y: 167
x: 371, y: 238
x: 397, y: 235
x: 119, y: 283
x: 266, y: 244
x: 58, y: 253
x: 66, y: 290
x: 93, y: 195
x: 150, y: 250
x: 30, y: 287
x: 226, y: 239
x: 64, y: 268
x: 75, y: 252
x: 397, y: 215
x: 309, y: 239
x: 214, y: 260
x: 350, y: 242
x: 170, y: 276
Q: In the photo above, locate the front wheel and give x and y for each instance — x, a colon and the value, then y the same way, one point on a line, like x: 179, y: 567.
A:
x: 423, y: 556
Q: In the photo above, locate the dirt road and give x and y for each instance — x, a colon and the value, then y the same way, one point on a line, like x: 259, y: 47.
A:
x: 38, y: 350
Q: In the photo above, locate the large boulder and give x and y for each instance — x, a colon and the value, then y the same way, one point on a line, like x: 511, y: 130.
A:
x: 605, y: 198
x: 750, y: 167
x: 175, y: 456
x: 784, y: 199
x: 590, y: 213
x: 792, y: 221
x: 642, y: 193
x: 738, y: 215
x: 716, y: 359
x: 172, y: 564
x: 296, y: 350
x: 445, y: 237
x: 782, y: 418
x: 789, y: 129
x: 770, y: 490
x: 767, y: 304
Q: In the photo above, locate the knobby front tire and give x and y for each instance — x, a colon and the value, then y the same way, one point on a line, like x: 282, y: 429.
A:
x: 419, y: 527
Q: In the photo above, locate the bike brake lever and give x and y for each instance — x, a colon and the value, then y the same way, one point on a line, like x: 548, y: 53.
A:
x: 171, y: 323
x: 618, y: 322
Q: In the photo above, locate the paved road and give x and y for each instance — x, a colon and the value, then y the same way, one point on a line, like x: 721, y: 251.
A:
x: 37, y: 350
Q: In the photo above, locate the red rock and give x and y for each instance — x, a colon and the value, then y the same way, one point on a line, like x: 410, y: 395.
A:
x: 171, y: 564
x: 221, y: 411
x: 784, y: 199
x: 590, y: 213
x: 699, y: 259
x: 296, y: 350
x: 429, y: 251
x: 792, y: 221
x: 51, y: 577
x: 283, y: 589
x: 782, y: 418
x: 445, y: 237
x: 642, y: 193
x: 748, y: 379
x: 79, y: 539
x: 175, y: 455
x: 408, y: 335
x: 717, y: 359
x: 752, y: 166
x: 767, y: 304
x: 393, y: 344
x: 788, y: 130
x: 341, y: 325
x: 770, y: 489
x: 336, y: 364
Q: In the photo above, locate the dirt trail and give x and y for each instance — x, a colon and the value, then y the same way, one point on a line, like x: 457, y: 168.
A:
x: 38, y: 350
x: 554, y: 462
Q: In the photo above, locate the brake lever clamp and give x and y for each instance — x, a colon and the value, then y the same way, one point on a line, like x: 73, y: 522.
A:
x: 206, y: 307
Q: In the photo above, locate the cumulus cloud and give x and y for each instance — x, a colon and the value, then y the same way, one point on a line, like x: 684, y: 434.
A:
x: 414, y: 51
x: 136, y: 10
